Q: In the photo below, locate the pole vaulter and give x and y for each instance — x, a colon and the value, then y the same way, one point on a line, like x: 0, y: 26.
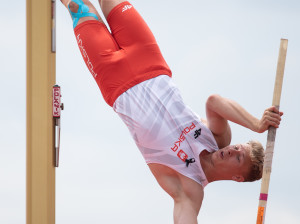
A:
x: 185, y: 152
x: 261, y: 214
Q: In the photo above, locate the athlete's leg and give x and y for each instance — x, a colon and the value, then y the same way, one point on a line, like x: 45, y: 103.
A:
x: 95, y: 42
x: 108, y: 5
x: 82, y: 8
x: 141, y: 56
x: 127, y: 26
x: 120, y: 59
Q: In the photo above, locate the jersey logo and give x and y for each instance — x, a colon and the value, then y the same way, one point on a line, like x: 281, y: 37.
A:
x: 182, y: 155
x: 126, y: 7
x: 182, y: 137
x: 197, y: 133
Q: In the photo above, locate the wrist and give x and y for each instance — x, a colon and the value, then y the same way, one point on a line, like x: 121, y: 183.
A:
x: 255, y: 125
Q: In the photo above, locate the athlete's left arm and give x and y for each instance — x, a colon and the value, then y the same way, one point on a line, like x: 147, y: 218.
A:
x: 218, y: 125
x: 219, y: 110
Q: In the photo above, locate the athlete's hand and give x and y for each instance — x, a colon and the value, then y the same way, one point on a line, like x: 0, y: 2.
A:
x: 271, y: 117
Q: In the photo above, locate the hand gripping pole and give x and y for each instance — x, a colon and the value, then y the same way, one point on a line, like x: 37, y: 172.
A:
x: 271, y: 136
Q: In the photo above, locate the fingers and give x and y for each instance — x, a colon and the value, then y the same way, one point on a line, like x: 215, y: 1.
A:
x: 273, y: 122
x: 274, y: 110
x: 272, y: 116
x: 267, y: 121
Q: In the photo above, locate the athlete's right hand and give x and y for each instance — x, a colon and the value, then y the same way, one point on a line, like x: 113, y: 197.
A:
x: 271, y: 117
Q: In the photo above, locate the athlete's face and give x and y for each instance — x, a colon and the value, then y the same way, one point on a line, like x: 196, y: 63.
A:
x: 233, y: 160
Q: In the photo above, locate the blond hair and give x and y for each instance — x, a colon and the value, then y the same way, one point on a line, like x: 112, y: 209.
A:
x: 257, y: 157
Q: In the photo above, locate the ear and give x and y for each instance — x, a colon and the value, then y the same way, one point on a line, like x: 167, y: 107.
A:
x: 238, y: 178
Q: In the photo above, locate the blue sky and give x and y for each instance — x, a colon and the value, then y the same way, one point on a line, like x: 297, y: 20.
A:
x: 225, y: 47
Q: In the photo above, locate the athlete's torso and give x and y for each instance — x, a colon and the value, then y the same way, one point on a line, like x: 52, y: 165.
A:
x: 165, y: 130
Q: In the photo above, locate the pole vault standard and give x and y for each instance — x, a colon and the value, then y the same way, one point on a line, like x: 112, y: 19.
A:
x: 40, y: 149
x: 261, y: 214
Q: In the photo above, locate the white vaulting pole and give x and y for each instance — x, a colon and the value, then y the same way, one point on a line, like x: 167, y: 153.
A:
x: 261, y: 214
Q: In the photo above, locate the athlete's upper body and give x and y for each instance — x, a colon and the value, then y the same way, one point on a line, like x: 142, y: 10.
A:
x: 231, y: 162
x: 185, y: 152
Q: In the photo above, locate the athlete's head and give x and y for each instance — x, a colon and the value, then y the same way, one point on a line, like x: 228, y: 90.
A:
x: 240, y: 162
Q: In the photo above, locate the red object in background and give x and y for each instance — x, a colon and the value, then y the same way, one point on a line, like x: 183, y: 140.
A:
x: 56, y: 101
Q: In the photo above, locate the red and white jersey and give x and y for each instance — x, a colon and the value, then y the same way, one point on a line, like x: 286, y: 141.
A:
x: 164, y: 128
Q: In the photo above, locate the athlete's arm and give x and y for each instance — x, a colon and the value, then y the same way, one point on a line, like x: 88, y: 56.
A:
x: 218, y: 125
x: 219, y: 110
x: 186, y: 193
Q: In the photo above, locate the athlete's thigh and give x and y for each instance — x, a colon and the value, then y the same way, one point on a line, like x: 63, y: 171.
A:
x: 130, y: 30
x: 108, y: 5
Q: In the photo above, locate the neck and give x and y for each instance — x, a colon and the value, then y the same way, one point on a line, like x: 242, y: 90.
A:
x: 212, y: 174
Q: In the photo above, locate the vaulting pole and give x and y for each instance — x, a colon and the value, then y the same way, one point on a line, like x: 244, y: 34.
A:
x: 261, y: 214
x: 40, y: 169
